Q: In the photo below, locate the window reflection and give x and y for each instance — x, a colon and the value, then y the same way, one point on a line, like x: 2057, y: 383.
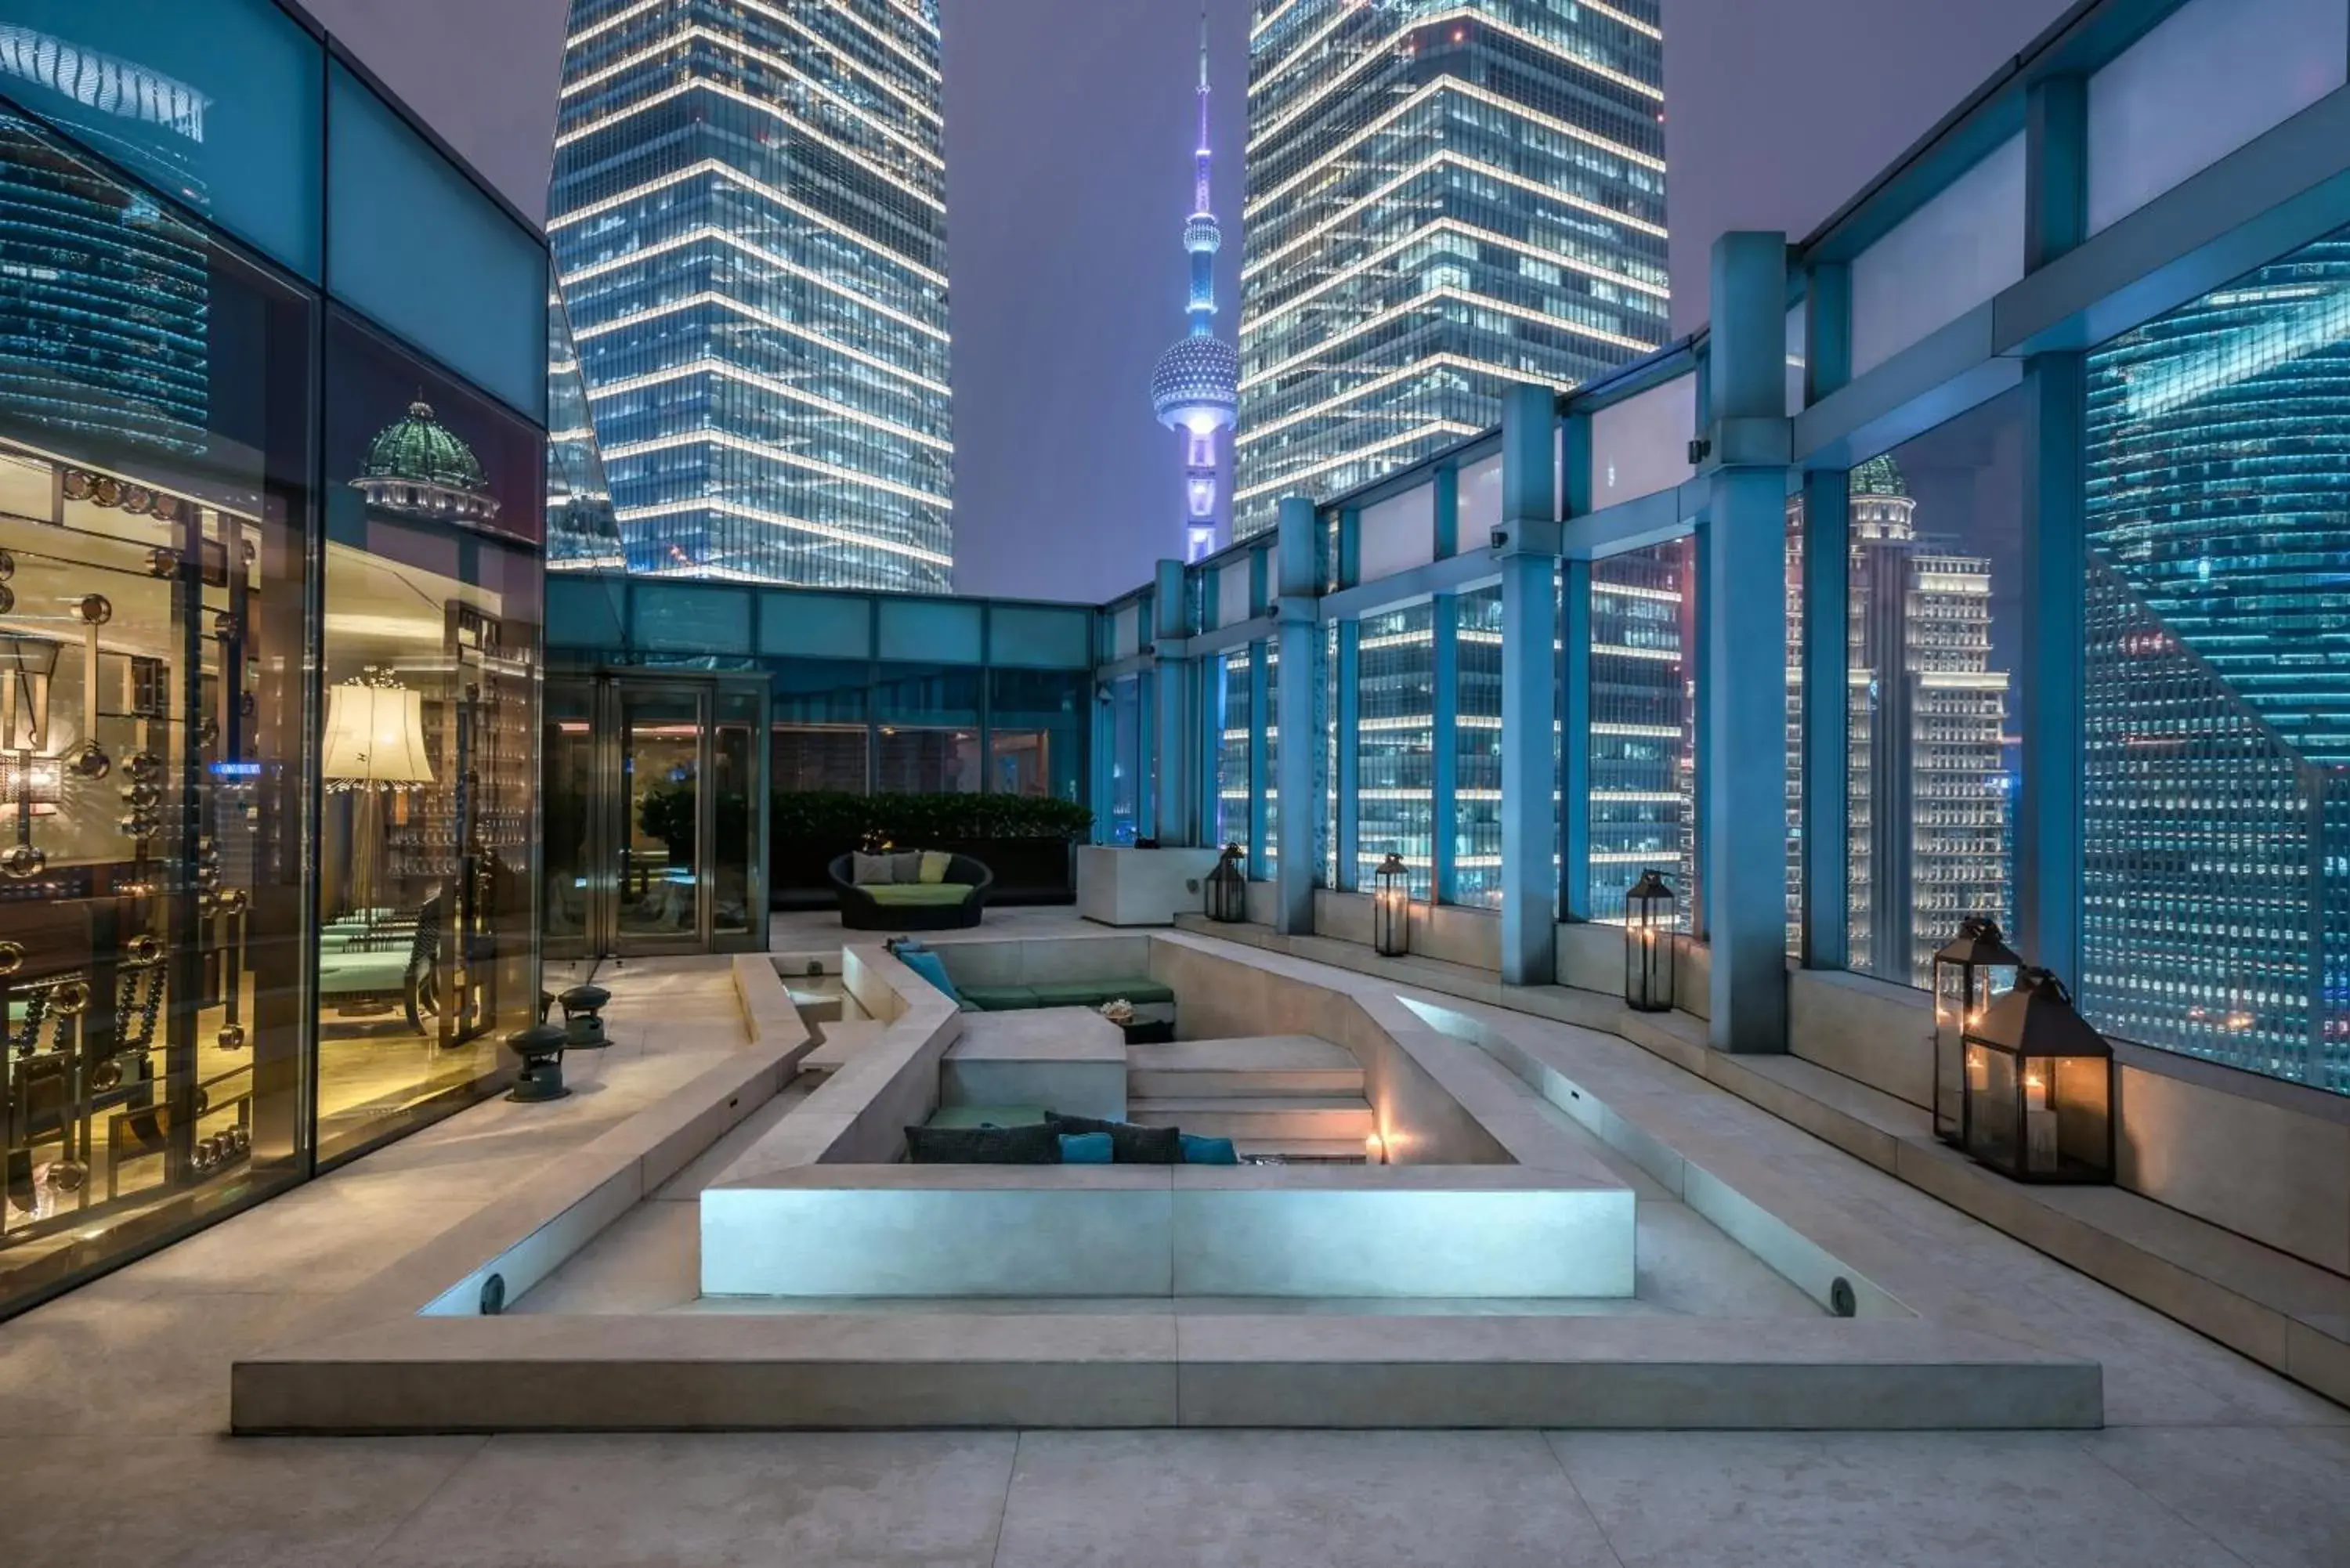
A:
x: 426, y: 907
x: 154, y: 395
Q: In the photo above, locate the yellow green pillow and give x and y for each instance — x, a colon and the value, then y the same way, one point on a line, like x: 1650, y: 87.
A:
x: 934, y: 865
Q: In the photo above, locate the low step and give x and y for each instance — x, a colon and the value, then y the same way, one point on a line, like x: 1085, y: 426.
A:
x: 841, y: 1040
x: 1326, y: 1149
x: 1247, y: 1067
x: 1272, y: 1118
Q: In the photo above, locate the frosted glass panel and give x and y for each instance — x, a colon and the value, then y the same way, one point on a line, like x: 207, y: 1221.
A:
x: 1480, y: 511
x: 675, y: 617
x: 418, y: 247
x: 1941, y: 261
x: 1126, y: 631
x: 1040, y: 637
x: 821, y: 626
x: 1398, y: 534
x: 934, y: 631
x: 1640, y: 445
x: 2243, y: 64
x: 1232, y: 591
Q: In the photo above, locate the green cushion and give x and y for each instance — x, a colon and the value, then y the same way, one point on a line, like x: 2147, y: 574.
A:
x: 343, y: 972
x: 987, y: 1116
x: 925, y: 893
x: 999, y: 998
x: 1137, y: 988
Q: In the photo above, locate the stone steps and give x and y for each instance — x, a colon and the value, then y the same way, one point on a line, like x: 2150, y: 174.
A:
x: 1276, y: 1119
x: 1248, y: 1067
x: 1330, y: 1148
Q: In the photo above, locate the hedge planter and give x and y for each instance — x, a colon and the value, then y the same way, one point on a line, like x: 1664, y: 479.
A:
x: 1029, y: 843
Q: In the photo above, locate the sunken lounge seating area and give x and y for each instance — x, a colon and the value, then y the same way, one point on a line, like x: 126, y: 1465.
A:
x: 910, y: 890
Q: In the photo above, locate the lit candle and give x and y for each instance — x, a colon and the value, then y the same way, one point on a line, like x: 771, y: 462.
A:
x: 1375, y: 1149
x: 2035, y: 1093
x: 1978, y: 1072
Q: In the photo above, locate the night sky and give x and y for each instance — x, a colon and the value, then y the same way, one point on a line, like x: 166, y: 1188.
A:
x: 1069, y: 131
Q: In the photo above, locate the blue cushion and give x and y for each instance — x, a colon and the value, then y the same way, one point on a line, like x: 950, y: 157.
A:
x: 932, y: 968
x: 1087, y: 1149
x: 1197, y: 1150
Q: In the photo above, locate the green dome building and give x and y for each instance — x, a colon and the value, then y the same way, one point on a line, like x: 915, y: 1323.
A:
x: 419, y: 466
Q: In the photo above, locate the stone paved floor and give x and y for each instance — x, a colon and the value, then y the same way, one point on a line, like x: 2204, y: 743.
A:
x: 112, y: 1401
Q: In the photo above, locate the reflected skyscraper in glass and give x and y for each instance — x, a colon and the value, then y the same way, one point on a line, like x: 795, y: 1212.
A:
x: 748, y: 216
x: 1443, y: 198
x: 2216, y: 800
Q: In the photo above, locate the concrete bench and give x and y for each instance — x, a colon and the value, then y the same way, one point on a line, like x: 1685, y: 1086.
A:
x: 1069, y: 1059
x: 930, y: 1230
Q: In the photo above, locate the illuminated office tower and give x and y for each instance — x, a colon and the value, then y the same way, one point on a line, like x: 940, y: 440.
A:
x: 748, y: 217
x: 1442, y: 201
x: 1192, y: 391
x: 1642, y: 751
x: 2216, y: 785
x: 1926, y: 806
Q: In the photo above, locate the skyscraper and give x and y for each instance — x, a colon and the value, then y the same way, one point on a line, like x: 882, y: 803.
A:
x: 1443, y: 200
x: 1926, y: 808
x: 2216, y: 790
x: 1194, y: 388
x: 748, y: 217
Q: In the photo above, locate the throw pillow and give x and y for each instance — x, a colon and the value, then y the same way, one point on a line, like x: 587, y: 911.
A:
x: 906, y: 866
x: 1034, y: 1144
x: 934, y: 865
x: 1129, y: 1144
x: 932, y: 968
x: 871, y: 871
x: 1198, y: 1150
x: 1084, y: 1149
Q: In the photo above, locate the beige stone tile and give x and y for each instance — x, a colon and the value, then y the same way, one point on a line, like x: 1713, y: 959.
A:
x: 130, y: 1499
x: 1300, y: 1500
x: 1865, y: 1500
x: 715, y: 1501
x: 2274, y: 1497
x: 155, y: 1365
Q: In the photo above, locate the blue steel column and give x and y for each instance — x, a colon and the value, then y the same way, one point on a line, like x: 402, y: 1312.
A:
x: 1574, y: 700
x: 2056, y: 544
x: 1746, y: 645
x: 1827, y: 651
x: 1176, y: 762
x: 1295, y: 569
x: 1527, y: 543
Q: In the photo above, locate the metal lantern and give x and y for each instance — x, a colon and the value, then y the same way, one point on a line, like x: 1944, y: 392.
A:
x: 1228, y: 887
x: 1392, y: 908
x: 2039, y: 1093
x: 1649, y: 946
x: 1973, y: 970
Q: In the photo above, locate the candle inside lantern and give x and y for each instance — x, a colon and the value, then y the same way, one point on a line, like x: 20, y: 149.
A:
x: 2035, y: 1093
x: 1978, y: 1072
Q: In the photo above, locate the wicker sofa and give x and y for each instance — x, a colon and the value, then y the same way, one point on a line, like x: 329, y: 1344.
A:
x: 950, y: 904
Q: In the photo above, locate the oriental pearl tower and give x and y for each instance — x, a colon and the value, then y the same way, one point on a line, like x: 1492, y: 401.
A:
x: 1196, y: 388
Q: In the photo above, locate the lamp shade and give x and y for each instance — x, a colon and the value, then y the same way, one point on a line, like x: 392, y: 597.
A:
x: 375, y: 735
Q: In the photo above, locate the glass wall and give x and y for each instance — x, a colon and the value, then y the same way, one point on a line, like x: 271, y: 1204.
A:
x: 1643, y: 723
x: 155, y: 394
x: 2216, y: 670
x: 428, y: 909
x: 928, y: 737
x: 819, y: 737
x: 1126, y: 761
x: 1934, y: 628
x: 1229, y: 822
x: 1035, y: 735
x: 1396, y: 744
x: 1476, y: 826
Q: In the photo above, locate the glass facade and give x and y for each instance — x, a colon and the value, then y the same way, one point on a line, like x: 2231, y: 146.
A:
x: 1476, y: 826
x: 1395, y: 744
x: 1441, y: 202
x: 2216, y: 670
x: 749, y: 217
x: 269, y: 730
x: 1643, y: 724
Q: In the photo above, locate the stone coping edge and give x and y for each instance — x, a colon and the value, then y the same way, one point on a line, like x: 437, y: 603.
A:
x: 880, y: 1371
x: 2282, y: 1340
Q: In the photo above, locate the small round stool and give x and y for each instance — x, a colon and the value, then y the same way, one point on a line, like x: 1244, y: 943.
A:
x: 583, y: 1021
x: 540, y: 1046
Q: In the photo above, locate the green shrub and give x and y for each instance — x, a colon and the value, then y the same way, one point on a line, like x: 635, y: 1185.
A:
x: 830, y: 817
